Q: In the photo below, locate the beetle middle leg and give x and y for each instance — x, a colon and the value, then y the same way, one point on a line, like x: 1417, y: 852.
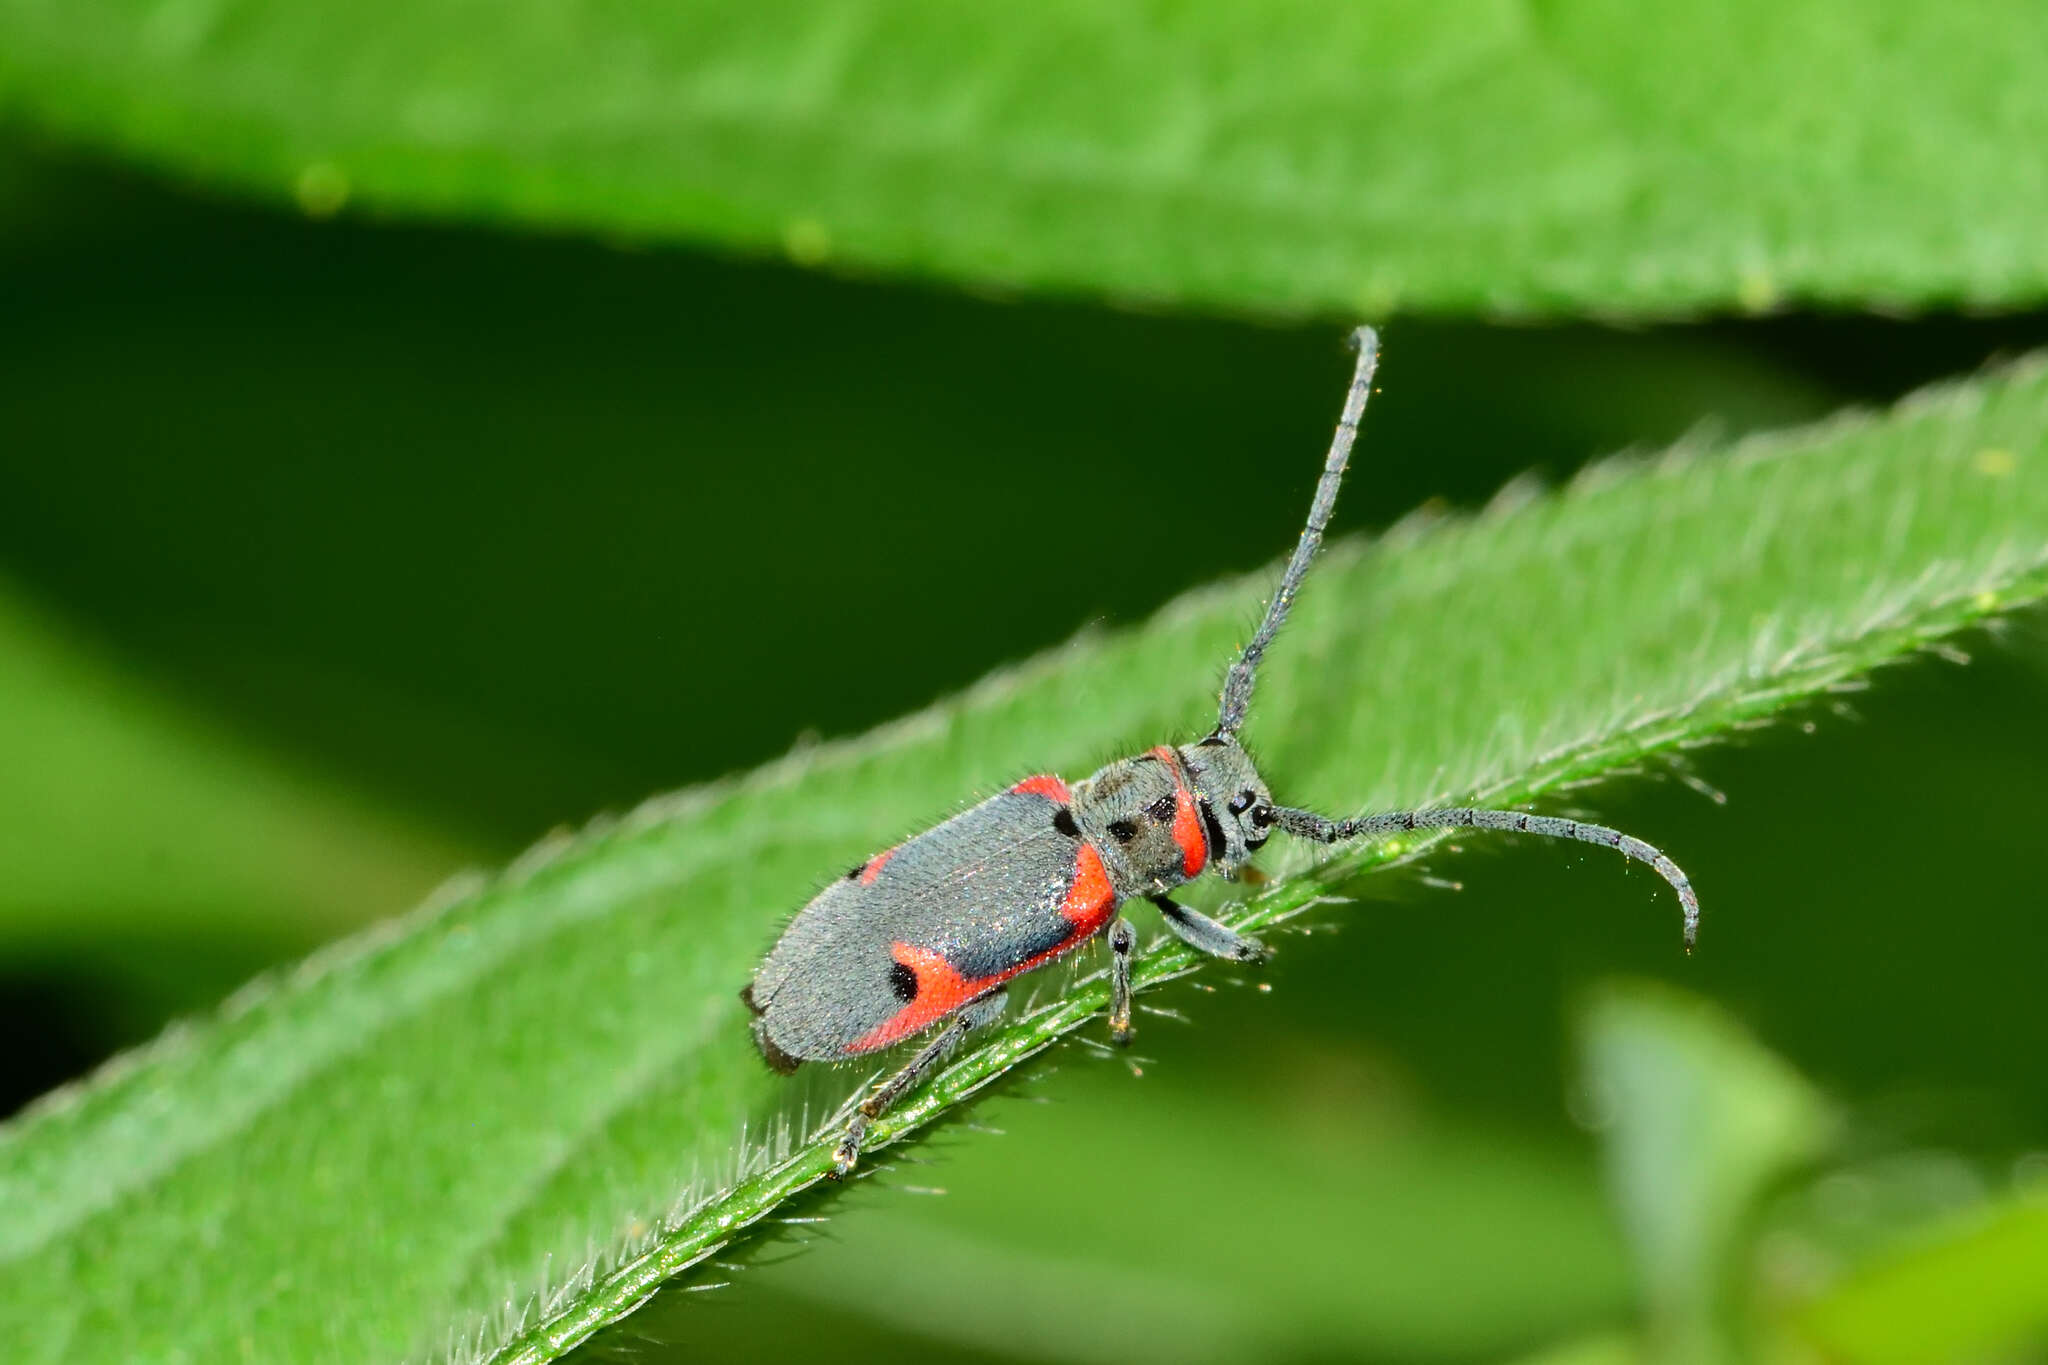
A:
x: 1205, y: 935
x: 978, y: 1014
x: 1123, y: 941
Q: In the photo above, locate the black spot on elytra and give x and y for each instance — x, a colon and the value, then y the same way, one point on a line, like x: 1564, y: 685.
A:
x: 1063, y: 821
x: 1163, y: 809
x: 1123, y: 831
x: 903, y: 982
x: 853, y: 873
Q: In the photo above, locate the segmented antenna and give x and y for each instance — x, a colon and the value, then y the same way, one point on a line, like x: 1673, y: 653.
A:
x: 1306, y: 824
x: 1237, y: 684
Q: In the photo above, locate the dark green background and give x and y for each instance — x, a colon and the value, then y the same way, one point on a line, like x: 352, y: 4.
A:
x: 504, y: 532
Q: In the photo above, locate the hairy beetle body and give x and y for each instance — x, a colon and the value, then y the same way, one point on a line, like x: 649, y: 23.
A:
x: 929, y: 931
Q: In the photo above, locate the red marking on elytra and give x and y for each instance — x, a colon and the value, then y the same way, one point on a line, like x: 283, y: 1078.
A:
x: 941, y: 988
x: 874, y: 866
x: 1046, y: 785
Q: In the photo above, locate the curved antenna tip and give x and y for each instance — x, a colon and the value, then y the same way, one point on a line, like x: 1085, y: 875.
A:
x: 1366, y: 339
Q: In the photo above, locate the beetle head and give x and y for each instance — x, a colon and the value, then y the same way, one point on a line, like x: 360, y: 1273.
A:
x: 1236, y: 807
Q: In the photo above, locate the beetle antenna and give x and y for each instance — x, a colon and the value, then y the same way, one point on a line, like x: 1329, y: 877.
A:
x: 1304, y: 824
x: 1237, y: 684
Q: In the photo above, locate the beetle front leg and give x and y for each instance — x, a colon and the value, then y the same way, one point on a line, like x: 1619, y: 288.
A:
x: 1205, y: 935
x: 977, y: 1014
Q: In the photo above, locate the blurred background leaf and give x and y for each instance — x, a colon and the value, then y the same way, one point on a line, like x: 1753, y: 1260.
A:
x: 237, y: 837
x: 1287, y: 157
x: 143, y: 841
x: 1972, y: 1285
x: 1699, y: 1121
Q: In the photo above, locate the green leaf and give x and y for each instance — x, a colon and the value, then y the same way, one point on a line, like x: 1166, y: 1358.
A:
x: 541, y: 1093
x: 1587, y: 156
x: 1699, y: 1120
x: 1970, y: 1289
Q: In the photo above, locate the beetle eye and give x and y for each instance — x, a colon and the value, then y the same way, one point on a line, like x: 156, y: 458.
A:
x: 1242, y: 802
x: 1264, y: 816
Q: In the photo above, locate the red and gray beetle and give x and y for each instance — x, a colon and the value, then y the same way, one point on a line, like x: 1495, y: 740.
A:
x: 932, y: 929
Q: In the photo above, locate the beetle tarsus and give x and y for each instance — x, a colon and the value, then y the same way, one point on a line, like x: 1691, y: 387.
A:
x: 847, y: 1153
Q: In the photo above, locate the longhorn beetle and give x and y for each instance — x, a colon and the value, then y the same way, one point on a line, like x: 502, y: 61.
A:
x: 933, y: 928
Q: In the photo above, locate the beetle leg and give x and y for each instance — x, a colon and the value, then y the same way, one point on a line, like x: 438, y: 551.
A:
x: 1123, y: 941
x: 976, y: 1014
x: 1203, y: 934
